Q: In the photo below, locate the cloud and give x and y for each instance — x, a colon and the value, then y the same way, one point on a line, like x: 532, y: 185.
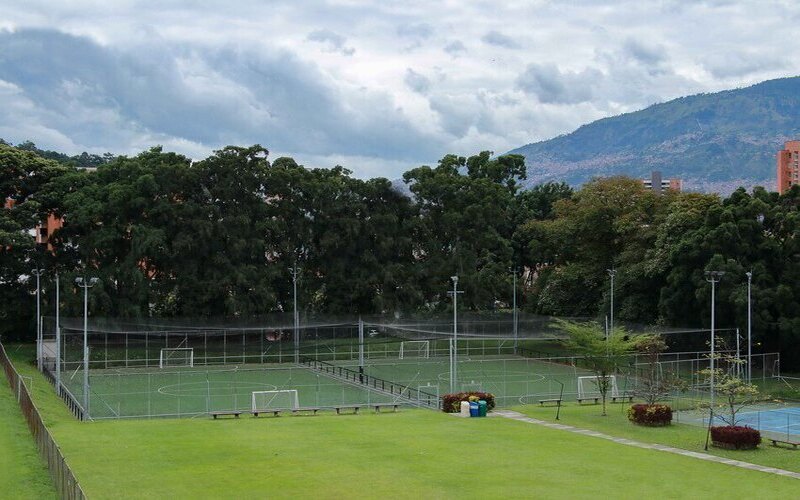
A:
x: 500, y: 40
x: 645, y: 53
x: 100, y: 97
x: 741, y: 63
x: 553, y: 86
x: 455, y: 48
x: 334, y: 41
x: 421, y: 30
x: 417, y: 82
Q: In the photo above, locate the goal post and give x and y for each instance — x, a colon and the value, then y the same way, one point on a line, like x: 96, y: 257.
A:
x: 415, y: 349
x: 588, y: 386
x: 176, y: 356
x: 285, y: 399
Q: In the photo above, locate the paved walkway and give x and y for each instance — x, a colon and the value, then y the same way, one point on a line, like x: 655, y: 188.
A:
x: 629, y: 442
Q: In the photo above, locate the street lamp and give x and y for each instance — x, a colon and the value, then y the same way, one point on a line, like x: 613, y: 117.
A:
x: 296, y: 317
x: 38, y: 273
x: 454, y: 344
x: 611, y: 272
x: 515, y: 328
x: 58, y: 336
x: 86, y: 284
x: 749, y: 329
x: 713, y: 277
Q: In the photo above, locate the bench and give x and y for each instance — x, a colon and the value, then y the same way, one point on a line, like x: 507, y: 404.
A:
x: 556, y: 401
x: 258, y: 412
x: 216, y: 414
x: 312, y: 409
x: 355, y: 408
x: 595, y: 399
x: 622, y: 398
x: 378, y: 406
x: 775, y: 442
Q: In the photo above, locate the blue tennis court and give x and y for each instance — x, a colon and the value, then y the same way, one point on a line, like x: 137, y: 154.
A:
x: 780, y: 421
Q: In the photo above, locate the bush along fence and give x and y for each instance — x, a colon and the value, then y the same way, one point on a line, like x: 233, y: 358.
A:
x: 63, y: 478
x: 451, y: 403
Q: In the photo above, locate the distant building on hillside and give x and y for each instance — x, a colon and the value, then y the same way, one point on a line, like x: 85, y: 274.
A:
x: 657, y: 184
x: 788, y: 166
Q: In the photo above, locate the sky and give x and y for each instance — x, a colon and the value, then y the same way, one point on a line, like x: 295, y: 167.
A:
x: 376, y: 86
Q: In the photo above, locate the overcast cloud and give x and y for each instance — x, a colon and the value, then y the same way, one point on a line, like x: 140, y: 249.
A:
x: 378, y: 87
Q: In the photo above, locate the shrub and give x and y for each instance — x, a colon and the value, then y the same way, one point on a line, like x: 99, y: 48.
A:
x: 644, y: 414
x: 451, y: 403
x: 735, y: 436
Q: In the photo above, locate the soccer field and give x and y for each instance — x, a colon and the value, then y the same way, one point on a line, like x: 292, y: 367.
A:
x: 194, y: 391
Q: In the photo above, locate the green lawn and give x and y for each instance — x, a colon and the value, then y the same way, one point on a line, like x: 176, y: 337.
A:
x: 410, y: 454
x: 685, y: 436
x: 22, y: 473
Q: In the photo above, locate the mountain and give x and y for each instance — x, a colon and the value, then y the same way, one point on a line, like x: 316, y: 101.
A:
x: 714, y: 142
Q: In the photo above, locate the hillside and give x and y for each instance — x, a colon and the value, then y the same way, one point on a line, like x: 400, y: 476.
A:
x: 715, y: 142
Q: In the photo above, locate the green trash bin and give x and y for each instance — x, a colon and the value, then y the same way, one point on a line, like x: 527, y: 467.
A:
x: 482, y: 408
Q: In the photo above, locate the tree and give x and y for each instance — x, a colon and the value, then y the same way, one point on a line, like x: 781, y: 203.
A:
x: 604, y: 356
x: 736, y: 393
x: 653, y: 385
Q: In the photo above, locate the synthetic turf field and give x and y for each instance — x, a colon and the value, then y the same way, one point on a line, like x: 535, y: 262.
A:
x: 190, y: 391
x: 411, y: 454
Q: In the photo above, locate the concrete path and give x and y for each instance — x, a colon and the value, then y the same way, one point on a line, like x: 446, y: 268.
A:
x: 629, y: 442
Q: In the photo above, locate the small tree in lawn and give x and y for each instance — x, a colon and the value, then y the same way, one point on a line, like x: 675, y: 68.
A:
x: 735, y: 393
x: 602, y: 355
x: 653, y: 386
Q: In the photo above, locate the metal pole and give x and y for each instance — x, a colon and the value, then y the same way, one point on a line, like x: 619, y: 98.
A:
x: 361, y: 349
x: 38, y: 273
x: 749, y: 330
x: 454, y: 349
x: 611, y: 272
x: 86, y: 284
x: 713, y: 277
x: 58, y: 337
x: 294, y: 271
x: 738, y: 366
x: 514, y: 314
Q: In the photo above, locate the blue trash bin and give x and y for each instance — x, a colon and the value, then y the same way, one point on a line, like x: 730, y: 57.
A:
x: 473, y: 409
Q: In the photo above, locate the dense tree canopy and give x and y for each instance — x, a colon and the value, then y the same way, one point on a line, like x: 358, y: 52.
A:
x: 173, y: 237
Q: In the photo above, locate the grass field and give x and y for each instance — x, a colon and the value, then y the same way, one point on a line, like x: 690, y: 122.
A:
x: 687, y: 437
x: 23, y: 475
x: 410, y: 454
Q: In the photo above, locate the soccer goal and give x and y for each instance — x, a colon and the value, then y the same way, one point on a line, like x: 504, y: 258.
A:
x: 271, y: 400
x: 415, y: 349
x: 176, y: 356
x: 588, y: 386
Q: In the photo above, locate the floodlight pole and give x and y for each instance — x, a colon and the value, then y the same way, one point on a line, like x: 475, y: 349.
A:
x: 58, y: 336
x: 514, y: 310
x: 454, y: 346
x: 38, y: 273
x: 294, y: 270
x: 86, y: 284
x: 611, y: 272
x: 749, y: 329
x: 713, y: 277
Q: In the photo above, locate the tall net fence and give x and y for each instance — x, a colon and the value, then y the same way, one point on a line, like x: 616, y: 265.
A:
x: 149, y: 368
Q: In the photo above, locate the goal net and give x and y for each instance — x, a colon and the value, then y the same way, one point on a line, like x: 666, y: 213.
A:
x: 275, y: 400
x: 415, y: 349
x: 176, y: 356
x: 589, y: 387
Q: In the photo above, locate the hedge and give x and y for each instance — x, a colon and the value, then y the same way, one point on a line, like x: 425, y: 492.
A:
x: 451, y: 403
x: 644, y: 414
x: 736, y: 436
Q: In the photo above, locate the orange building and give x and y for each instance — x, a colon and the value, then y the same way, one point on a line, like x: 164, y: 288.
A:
x: 43, y: 232
x: 788, y: 166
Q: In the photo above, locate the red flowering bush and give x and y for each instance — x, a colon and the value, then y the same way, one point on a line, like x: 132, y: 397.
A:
x: 653, y: 415
x: 451, y: 403
x: 735, y: 437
